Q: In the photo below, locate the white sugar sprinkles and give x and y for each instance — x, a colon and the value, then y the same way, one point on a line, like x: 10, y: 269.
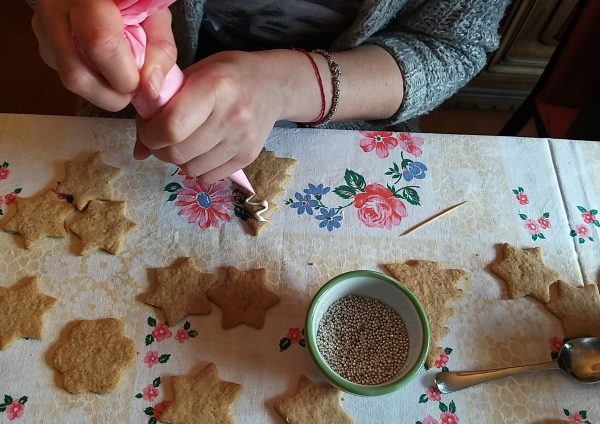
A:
x: 363, y: 340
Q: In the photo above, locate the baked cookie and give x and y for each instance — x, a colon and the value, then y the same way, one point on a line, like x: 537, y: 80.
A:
x: 94, y: 356
x: 103, y: 226
x: 268, y: 175
x: 89, y: 180
x: 436, y: 288
x: 181, y: 290
x: 22, y: 310
x: 525, y: 273
x: 244, y: 297
x: 578, y: 308
x: 313, y: 404
x: 40, y: 217
x: 202, y: 398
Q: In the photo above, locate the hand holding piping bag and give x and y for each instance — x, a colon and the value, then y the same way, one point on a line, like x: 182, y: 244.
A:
x: 134, y: 12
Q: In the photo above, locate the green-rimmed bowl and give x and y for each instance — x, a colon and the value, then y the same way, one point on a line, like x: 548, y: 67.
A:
x: 388, y: 291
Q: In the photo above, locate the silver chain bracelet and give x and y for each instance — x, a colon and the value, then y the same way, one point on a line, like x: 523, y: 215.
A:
x: 336, y: 73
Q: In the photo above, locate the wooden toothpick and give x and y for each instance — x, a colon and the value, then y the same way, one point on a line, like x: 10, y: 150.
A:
x: 434, y: 217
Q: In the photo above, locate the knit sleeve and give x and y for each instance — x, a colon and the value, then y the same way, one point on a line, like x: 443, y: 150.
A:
x: 439, y: 46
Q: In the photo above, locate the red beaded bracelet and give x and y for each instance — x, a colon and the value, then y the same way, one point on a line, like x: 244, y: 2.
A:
x: 321, y: 87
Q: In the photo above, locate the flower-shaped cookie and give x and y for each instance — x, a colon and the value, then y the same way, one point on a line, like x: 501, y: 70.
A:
x: 94, y: 356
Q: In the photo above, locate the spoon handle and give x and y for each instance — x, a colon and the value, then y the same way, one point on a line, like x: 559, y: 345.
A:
x: 448, y: 382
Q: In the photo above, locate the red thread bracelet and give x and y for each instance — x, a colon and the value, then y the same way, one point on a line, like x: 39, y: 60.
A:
x: 321, y: 87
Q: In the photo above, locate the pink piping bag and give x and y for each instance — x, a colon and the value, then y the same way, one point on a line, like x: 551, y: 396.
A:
x: 133, y: 13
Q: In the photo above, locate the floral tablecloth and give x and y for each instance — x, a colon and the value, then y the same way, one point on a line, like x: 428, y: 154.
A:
x: 351, y: 197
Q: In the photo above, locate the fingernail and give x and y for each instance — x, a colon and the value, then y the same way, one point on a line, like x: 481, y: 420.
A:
x: 156, y: 82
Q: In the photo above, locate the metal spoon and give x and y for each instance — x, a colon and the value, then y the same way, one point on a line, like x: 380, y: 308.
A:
x: 578, y: 358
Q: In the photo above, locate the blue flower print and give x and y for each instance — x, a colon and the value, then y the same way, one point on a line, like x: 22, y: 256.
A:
x: 328, y: 219
x: 304, y: 204
x: 316, y: 191
x: 414, y: 170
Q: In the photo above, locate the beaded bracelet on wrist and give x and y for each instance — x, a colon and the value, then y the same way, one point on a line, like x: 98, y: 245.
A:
x: 336, y: 73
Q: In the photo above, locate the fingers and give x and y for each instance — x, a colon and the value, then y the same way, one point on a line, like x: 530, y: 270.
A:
x: 102, y: 39
x: 52, y: 26
x: 140, y: 152
x: 180, y: 118
x: 198, y: 143
x: 44, y: 48
x: 161, y: 52
x: 218, y: 173
x: 228, y: 155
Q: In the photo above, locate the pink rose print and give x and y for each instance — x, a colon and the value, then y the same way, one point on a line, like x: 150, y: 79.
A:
x: 523, y: 199
x: 531, y: 226
x: 11, y: 198
x: 544, y: 223
x: 433, y: 393
x: 381, y: 141
x: 15, y: 410
x: 429, y: 420
x: 1, y: 201
x: 182, y: 335
x: 582, y: 230
x: 206, y: 205
x: 588, y: 217
x: 556, y: 343
x: 159, y: 408
x: 161, y: 332
x: 449, y: 418
x: 378, y: 207
x: 576, y: 417
x: 442, y: 360
x: 410, y: 144
x: 151, y: 358
x: 294, y: 334
x: 150, y: 392
x: 4, y: 172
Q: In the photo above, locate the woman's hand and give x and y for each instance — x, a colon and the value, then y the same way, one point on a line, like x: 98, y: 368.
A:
x: 218, y: 123
x: 98, y: 27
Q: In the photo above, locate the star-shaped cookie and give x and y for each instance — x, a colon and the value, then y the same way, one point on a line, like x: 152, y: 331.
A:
x: 578, y: 308
x: 40, y: 217
x: 181, y: 290
x: 103, y: 226
x: 525, y: 273
x: 244, y: 297
x: 268, y: 175
x: 202, y: 398
x: 89, y: 180
x: 436, y: 288
x: 94, y: 355
x: 22, y: 310
x: 313, y: 404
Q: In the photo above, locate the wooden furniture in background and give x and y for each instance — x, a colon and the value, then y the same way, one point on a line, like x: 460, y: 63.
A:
x: 528, y: 41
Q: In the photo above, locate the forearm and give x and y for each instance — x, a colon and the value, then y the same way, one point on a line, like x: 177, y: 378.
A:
x: 371, y: 84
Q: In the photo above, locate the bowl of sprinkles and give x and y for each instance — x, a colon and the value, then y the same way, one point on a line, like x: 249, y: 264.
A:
x: 367, y: 333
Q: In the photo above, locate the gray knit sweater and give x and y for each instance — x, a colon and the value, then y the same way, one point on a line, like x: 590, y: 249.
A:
x: 439, y: 45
